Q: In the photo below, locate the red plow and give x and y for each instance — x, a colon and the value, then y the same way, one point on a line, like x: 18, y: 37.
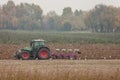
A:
x: 66, y: 54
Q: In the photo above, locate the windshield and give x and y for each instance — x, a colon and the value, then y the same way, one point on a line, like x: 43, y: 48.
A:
x: 39, y: 43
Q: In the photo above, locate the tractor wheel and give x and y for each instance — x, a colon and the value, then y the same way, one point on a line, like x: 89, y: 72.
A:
x: 43, y: 54
x: 25, y: 55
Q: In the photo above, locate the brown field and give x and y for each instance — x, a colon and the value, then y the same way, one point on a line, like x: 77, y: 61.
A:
x: 89, y: 51
x: 60, y: 70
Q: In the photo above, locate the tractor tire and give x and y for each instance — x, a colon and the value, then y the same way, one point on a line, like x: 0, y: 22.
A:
x: 44, y: 54
x: 25, y: 55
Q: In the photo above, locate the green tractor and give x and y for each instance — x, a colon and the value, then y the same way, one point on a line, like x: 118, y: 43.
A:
x: 37, y: 49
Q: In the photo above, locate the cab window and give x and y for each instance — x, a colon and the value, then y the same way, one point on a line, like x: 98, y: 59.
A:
x: 38, y: 43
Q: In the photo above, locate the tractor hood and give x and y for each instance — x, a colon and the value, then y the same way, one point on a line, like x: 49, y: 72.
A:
x: 27, y: 49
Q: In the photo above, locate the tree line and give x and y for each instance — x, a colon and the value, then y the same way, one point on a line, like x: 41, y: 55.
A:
x: 26, y: 16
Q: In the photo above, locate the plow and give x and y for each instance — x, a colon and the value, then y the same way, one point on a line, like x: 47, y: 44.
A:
x: 66, y: 54
x: 38, y: 50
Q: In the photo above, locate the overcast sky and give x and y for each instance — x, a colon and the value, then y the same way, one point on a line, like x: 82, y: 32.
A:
x: 58, y: 5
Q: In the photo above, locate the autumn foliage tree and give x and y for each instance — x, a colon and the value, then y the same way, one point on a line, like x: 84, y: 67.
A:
x: 26, y: 16
x: 103, y: 19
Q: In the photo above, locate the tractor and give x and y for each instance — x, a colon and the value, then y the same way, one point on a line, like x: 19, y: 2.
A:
x: 37, y: 49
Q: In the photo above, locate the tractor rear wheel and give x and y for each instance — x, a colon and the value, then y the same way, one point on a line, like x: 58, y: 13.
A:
x: 25, y: 55
x: 44, y: 54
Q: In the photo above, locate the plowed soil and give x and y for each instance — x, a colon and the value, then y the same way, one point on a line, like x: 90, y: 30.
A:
x: 89, y: 51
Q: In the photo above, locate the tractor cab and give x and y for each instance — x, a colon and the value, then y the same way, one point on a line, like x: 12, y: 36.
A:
x: 37, y: 43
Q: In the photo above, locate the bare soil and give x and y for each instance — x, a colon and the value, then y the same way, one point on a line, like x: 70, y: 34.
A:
x: 89, y: 51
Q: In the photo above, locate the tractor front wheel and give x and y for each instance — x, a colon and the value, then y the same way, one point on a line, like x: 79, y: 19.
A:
x: 25, y: 55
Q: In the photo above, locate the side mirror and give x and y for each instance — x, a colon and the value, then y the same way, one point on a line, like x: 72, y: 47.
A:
x: 31, y: 44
